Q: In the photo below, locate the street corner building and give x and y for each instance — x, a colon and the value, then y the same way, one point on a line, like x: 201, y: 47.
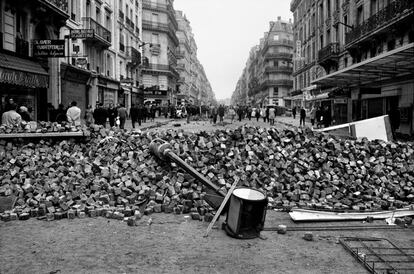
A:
x: 356, y: 58
x: 267, y: 77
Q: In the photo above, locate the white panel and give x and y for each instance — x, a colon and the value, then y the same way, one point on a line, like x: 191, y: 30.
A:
x: 163, y: 82
x: 147, y: 80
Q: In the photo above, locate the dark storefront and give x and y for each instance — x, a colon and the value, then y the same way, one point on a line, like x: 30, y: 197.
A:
x: 74, y: 86
x: 26, y: 82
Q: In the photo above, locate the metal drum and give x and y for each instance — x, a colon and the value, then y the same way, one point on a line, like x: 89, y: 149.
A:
x: 246, y: 214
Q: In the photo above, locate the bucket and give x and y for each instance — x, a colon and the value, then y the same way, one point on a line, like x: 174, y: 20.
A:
x: 246, y: 214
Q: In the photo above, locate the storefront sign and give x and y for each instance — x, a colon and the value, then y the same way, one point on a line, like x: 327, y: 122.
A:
x: 81, y: 33
x: 298, y: 48
x: 340, y: 101
x: 23, y: 78
x: 49, y: 48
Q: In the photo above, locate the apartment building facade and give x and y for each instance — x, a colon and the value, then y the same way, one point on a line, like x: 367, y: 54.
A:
x: 28, y: 80
x: 361, y: 60
x: 267, y: 77
x: 159, y: 69
x: 194, y: 86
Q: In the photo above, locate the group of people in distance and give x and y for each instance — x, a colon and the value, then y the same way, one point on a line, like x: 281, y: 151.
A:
x: 14, y: 115
x: 319, y: 117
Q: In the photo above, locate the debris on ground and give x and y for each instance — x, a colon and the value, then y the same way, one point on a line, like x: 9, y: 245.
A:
x: 119, y: 176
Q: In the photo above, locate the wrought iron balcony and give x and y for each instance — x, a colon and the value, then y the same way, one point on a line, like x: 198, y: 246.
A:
x: 162, y: 27
x: 100, y: 34
x: 280, y: 82
x: 150, y: 67
x: 329, y: 55
x: 331, y: 51
x: 134, y: 56
x: 278, y: 55
x: 59, y: 6
x: 394, y: 12
x: 282, y: 69
x: 284, y: 42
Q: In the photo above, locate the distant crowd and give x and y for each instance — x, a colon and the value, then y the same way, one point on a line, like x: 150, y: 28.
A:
x: 116, y: 116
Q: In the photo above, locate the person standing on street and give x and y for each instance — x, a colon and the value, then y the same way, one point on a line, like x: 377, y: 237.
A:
x: 294, y: 112
x: 112, y: 113
x: 232, y: 113
x: 257, y: 114
x: 10, y: 117
x: 313, y: 115
x: 221, y: 114
x: 302, y: 116
x: 73, y: 114
x: 89, y: 116
x: 100, y: 114
x: 327, y: 118
x: 134, y: 115
x: 24, y: 113
x: 272, y: 115
x: 122, y: 114
x: 263, y: 113
x: 240, y: 113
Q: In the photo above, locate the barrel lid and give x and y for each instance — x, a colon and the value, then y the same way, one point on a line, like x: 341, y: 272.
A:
x: 249, y: 194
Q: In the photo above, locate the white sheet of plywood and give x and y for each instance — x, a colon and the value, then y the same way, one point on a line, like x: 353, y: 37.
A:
x: 372, y: 129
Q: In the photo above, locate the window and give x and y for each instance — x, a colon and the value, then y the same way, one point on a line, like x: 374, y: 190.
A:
x: 373, y: 8
x: 98, y: 15
x: 276, y: 37
x: 360, y: 15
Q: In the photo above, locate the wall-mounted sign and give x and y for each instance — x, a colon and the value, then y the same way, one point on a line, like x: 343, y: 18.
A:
x: 298, y: 48
x: 21, y: 78
x: 49, y: 48
x: 81, y: 33
x: 340, y: 101
x: 81, y: 62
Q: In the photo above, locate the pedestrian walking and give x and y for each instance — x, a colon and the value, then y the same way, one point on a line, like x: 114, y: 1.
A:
x: 112, y: 113
x: 257, y: 114
x: 302, y: 116
x: 240, y: 112
x: 267, y: 114
x: 133, y: 112
x: 272, y: 115
x: 73, y: 114
x: 327, y: 118
x: 89, y: 116
x: 263, y: 113
x: 232, y: 113
x: 294, y: 112
x: 122, y: 114
x: 313, y: 115
x: 221, y: 111
x: 100, y: 115
x: 214, y: 114
x: 249, y: 113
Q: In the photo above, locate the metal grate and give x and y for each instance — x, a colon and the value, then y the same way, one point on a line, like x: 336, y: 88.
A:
x: 380, y: 255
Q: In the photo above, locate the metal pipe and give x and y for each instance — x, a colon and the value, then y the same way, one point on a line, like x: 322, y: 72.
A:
x: 162, y: 150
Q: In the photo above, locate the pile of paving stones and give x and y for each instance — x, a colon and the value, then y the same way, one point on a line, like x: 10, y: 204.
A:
x: 114, y: 174
x: 39, y: 127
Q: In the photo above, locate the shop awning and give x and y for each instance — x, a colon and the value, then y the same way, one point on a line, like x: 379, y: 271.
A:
x: 22, y: 72
x: 382, y: 68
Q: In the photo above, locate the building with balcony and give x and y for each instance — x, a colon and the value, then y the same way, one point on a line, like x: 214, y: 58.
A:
x: 193, y: 85
x: 128, y: 36
x: 267, y: 77
x: 159, y: 73
x: 26, y: 77
x: 365, y: 57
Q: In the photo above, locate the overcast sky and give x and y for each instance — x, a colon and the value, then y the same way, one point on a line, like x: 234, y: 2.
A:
x: 225, y: 30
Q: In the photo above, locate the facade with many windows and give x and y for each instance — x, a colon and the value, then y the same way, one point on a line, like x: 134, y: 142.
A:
x: 361, y: 59
x: 267, y: 77
x: 159, y: 69
x: 194, y: 86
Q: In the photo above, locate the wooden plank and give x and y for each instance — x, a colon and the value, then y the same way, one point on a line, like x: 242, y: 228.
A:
x: 298, y: 214
x: 210, y: 226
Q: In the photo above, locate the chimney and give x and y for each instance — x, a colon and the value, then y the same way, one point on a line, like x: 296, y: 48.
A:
x: 279, y: 18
